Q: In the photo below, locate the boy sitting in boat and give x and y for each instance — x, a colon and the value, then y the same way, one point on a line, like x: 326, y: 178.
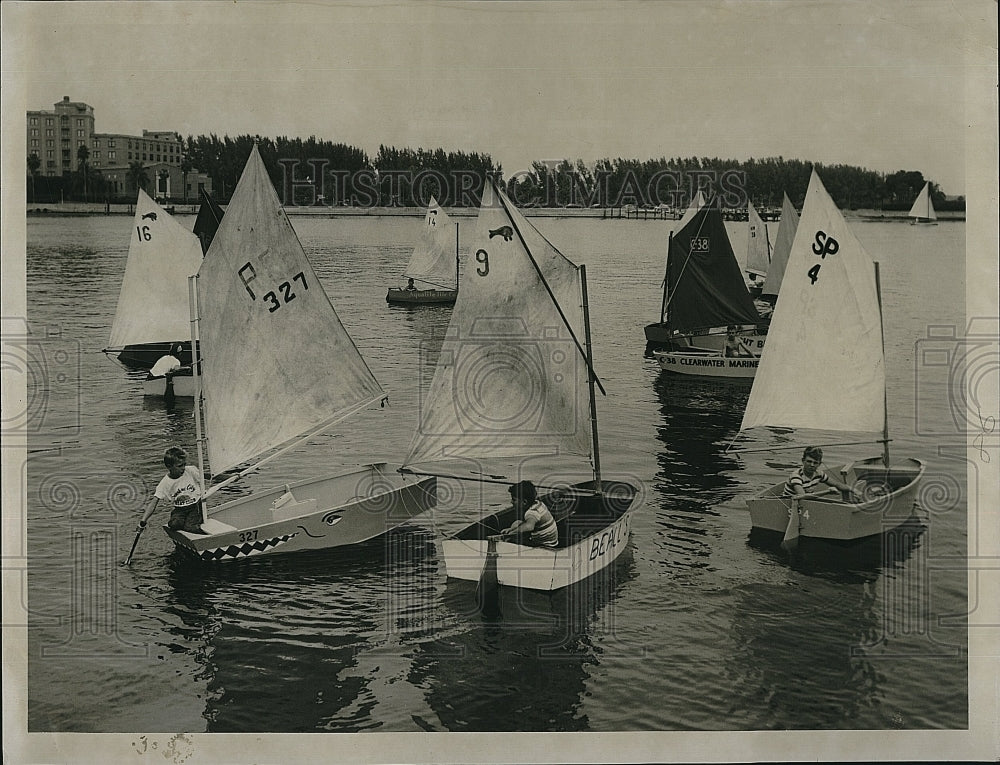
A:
x: 734, y: 347
x: 806, y: 479
x: 537, y: 524
x: 410, y: 286
x: 182, y: 487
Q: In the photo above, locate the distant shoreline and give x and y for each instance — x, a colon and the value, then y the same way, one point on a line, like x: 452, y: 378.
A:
x: 69, y: 209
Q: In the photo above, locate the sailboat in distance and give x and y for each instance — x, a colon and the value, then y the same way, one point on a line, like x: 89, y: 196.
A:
x: 151, y: 318
x: 922, y: 211
x: 782, y: 247
x: 813, y: 378
x: 433, y: 267
x: 758, y: 249
x: 515, y: 378
x: 277, y: 367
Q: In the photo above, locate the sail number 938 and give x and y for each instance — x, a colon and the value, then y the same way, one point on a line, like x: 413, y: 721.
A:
x: 274, y: 299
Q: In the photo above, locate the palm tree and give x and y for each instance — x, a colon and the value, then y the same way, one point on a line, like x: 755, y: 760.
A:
x: 33, y: 164
x: 137, y: 175
x: 82, y: 155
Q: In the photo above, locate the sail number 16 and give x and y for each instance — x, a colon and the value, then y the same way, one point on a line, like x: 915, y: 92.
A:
x: 274, y: 298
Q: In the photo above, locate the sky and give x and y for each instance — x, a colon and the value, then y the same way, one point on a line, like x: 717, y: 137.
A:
x: 878, y: 85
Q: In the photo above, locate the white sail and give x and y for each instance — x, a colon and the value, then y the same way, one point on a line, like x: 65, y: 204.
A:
x: 433, y: 258
x: 758, y: 246
x: 696, y: 204
x: 277, y: 360
x: 923, y: 208
x: 822, y: 366
x: 153, y: 302
x: 782, y: 247
x: 510, y: 379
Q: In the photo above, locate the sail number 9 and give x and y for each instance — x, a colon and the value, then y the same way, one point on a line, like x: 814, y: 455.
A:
x: 483, y: 259
x: 274, y: 298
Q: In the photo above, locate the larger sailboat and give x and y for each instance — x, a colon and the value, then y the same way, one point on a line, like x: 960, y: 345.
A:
x: 278, y: 367
x: 813, y: 378
x: 515, y: 378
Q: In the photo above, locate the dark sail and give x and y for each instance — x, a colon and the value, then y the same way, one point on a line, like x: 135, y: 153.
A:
x: 207, y: 222
x: 705, y: 286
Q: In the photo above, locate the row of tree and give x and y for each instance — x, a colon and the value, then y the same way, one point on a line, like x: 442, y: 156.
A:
x: 314, y: 171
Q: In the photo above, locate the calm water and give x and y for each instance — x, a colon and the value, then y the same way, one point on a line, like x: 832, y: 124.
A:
x: 697, y: 627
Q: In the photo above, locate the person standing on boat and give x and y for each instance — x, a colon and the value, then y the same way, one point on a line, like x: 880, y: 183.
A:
x: 807, y: 478
x: 182, y: 487
x: 734, y: 347
x: 537, y: 523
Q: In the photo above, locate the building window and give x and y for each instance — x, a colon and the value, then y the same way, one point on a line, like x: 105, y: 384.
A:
x: 79, y: 121
x: 34, y: 142
x: 48, y: 120
x: 97, y: 143
x: 111, y: 143
x: 111, y: 155
x: 32, y: 120
x: 97, y: 154
x: 50, y: 154
x: 130, y: 156
x: 34, y: 131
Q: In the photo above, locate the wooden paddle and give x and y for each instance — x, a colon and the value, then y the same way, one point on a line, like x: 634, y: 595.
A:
x: 138, y: 534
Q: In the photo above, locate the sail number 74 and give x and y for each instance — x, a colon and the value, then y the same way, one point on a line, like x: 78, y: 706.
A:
x: 274, y: 298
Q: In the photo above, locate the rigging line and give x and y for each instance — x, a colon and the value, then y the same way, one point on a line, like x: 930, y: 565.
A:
x: 801, y: 446
x: 546, y: 284
x: 506, y: 481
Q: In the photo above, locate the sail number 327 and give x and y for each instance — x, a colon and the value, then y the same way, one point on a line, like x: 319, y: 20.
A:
x: 274, y: 299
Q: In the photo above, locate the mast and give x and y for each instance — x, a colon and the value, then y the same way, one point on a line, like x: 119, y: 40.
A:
x: 456, y: 255
x: 666, y: 273
x: 196, y: 370
x: 885, y: 394
x: 590, y: 379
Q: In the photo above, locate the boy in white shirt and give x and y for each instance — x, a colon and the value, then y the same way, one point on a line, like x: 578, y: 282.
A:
x: 182, y: 487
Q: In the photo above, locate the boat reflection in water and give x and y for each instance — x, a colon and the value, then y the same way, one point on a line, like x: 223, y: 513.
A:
x: 821, y: 645
x: 695, y: 476
x: 284, y: 641
x: 529, y: 668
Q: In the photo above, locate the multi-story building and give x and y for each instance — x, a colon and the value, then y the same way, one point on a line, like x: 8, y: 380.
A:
x: 56, y: 136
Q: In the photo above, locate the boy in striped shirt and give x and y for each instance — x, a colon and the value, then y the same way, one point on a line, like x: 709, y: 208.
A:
x: 537, y: 525
x: 807, y: 478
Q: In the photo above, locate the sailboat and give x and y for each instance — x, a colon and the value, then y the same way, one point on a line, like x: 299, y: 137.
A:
x: 704, y: 294
x: 515, y: 378
x: 922, y: 211
x: 782, y: 247
x: 151, y: 318
x: 208, y: 220
x: 812, y: 378
x: 278, y: 367
x: 758, y: 249
x: 433, y: 266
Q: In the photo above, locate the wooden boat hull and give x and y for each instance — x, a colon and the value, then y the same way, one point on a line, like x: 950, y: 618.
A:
x: 714, y: 339
x: 831, y: 518
x: 923, y: 222
x: 593, y: 532
x: 179, y: 385
x: 419, y: 297
x: 145, y: 355
x: 330, y: 511
x: 707, y: 364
